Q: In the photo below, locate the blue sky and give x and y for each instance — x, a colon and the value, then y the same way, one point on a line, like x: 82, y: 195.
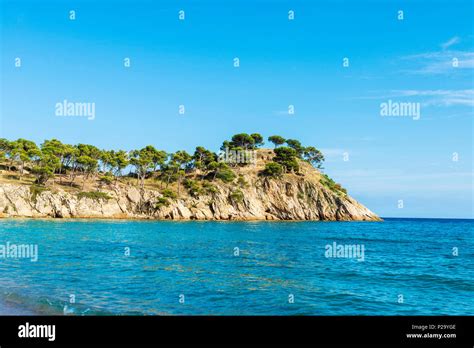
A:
x: 282, y: 62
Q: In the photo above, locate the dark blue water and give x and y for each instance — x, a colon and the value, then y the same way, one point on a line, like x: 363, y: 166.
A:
x: 409, y: 257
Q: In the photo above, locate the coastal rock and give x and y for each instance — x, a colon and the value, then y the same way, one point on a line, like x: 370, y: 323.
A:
x: 292, y: 197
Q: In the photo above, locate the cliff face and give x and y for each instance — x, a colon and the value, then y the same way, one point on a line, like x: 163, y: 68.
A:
x: 292, y: 197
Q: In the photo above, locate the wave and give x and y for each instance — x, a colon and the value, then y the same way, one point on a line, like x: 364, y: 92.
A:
x: 18, y: 304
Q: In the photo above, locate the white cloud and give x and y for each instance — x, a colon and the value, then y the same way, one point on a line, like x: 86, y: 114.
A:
x: 440, y: 97
x: 454, y: 40
x: 333, y: 154
x: 440, y: 62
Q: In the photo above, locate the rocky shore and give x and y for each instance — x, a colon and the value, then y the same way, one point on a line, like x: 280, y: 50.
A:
x: 291, y: 197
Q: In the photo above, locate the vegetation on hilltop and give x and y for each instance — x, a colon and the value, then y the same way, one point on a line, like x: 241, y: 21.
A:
x: 194, y: 172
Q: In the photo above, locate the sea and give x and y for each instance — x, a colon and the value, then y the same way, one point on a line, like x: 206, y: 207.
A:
x: 121, y: 267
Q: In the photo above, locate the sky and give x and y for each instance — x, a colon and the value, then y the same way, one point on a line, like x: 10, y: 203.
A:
x: 396, y: 166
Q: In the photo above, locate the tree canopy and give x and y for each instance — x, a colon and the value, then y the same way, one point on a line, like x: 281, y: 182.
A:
x: 276, y: 140
x: 53, y: 157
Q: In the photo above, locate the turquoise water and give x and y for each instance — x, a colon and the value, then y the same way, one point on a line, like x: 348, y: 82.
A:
x: 409, y: 257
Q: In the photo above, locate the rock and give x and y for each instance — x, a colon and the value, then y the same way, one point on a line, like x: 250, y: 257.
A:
x: 292, y: 197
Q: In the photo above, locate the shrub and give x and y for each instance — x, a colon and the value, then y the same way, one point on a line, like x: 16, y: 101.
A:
x: 193, y: 187
x: 208, y: 187
x: 242, y: 182
x: 226, y: 175
x: 95, y: 195
x: 106, y: 179
x: 162, y: 202
x: 332, y: 185
x: 273, y: 169
x: 36, y: 190
x: 338, y: 187
x: 236, y: 196
x: 167, y: 193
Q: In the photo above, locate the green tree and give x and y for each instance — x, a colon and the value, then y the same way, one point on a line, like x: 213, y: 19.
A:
x: 6, y: 148
x: 45, y: 167
x: 221, y: 170
x: 225, y: 145
x: 287, y: 157
x: 276, y: 140
x: 57, y: 149
x: 87, y: 161
x: 296, y: 145
x: 107, y: 158
x: 158, y: 157
x: 24, y: 151
x: 88, y: 166
x: 181, y: 161
x: 120, y: 163
x: 242, y: 140
x: 313, y: 156
x: 273, y: 169
x: 71, y: 154
x: 143, y: 162
x: 168, y: 173
x: 258, y: 139
x: 202, y: 157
